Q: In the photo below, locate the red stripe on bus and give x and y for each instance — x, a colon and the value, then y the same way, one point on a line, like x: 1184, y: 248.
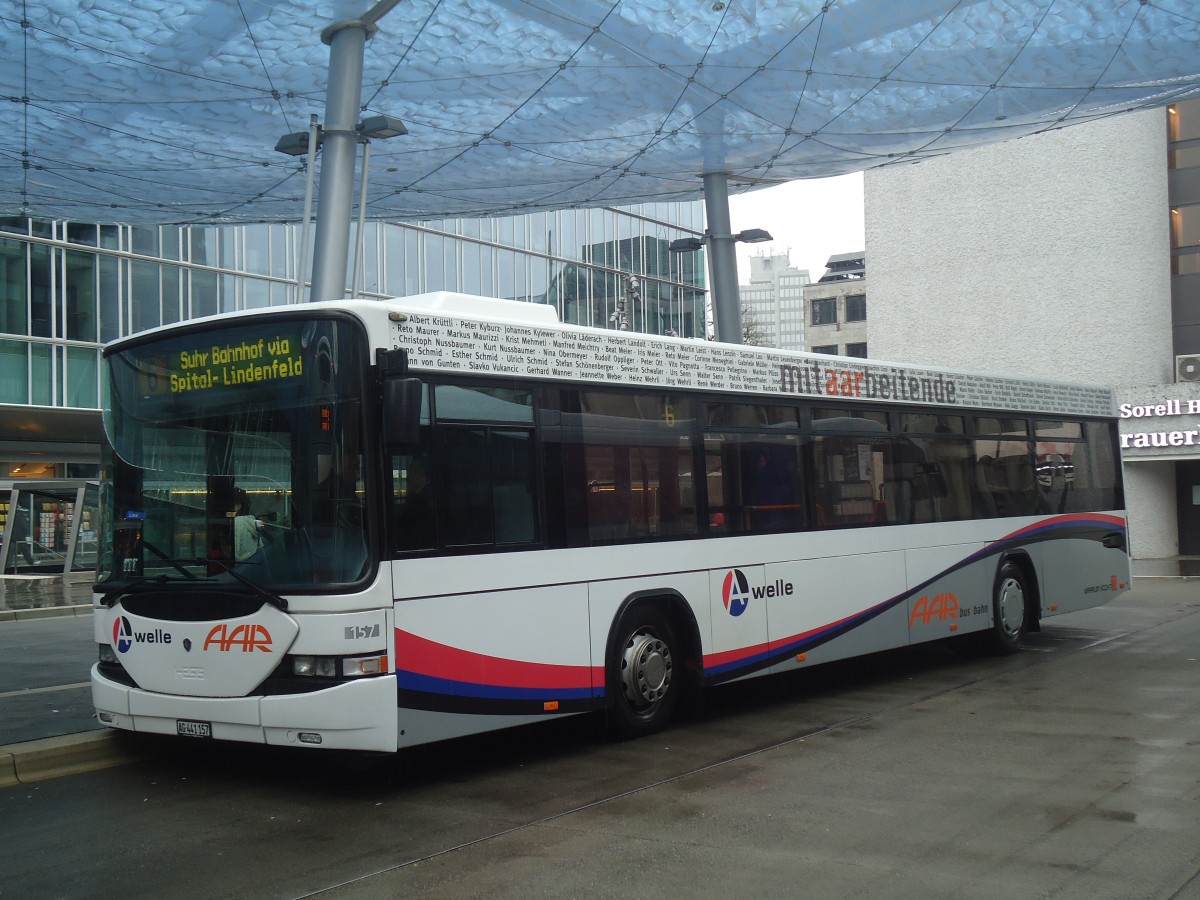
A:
x: 425, y: 657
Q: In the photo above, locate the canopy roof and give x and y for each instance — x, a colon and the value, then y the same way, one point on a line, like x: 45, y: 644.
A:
x: 163, y: 111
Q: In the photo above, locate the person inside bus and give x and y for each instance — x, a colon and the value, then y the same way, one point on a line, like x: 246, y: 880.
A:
x: 247, y: 534
x: 415, y: 515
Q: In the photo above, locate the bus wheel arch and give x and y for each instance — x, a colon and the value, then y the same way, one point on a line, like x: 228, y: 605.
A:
x: 1015, y: 605
x: 651, y: 662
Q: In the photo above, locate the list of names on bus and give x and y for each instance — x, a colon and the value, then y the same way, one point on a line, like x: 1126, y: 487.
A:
x: 453, y: 344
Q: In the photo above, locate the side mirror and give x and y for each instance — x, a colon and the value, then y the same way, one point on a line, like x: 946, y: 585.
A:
x: 401, y: 411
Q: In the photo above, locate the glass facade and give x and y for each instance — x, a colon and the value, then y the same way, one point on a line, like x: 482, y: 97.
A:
x: 1183, y: 153
x: 67, y: 288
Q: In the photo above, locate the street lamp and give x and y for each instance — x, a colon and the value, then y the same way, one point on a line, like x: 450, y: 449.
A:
x: 753, y: 236
x: 306, y: 143
x: 381, y: 127
x: 296, y: 143
x: 724, y: 296
x: 692, y: 244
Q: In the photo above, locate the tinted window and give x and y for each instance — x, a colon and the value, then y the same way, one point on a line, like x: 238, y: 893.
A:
x: 755, y: 482
x: 627, y: 467
x: 1076, y: 466
x: 1004, y: 467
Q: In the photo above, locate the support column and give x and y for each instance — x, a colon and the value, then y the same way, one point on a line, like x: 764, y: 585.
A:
x: 331, y: 243
x: 722, y: 259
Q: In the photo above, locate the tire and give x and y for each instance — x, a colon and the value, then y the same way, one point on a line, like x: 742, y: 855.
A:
x: 1010, y: 610
x: 645, y: 673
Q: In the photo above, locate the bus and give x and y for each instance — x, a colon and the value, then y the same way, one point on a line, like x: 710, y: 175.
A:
x: 373, y: 524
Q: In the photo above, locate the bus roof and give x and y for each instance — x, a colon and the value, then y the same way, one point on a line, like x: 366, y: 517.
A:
x: 446, y: 332
x: 453, y: 333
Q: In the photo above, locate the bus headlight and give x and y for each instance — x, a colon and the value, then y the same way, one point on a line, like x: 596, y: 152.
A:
x: 357, y: 666
x: 320, y: 666
x: 106, y: 654
x: 344, y: 667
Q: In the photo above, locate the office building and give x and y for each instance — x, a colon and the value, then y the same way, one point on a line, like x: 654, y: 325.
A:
x: 773, y: 302
x: 837, y: 307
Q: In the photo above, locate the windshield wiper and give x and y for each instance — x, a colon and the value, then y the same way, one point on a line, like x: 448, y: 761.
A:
x: 173, y: 563
x: 111, y: 596
x: 270, y: 596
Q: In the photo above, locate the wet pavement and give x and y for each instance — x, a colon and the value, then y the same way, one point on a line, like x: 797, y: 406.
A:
x: 25, y: 593
x: 1065, y: 771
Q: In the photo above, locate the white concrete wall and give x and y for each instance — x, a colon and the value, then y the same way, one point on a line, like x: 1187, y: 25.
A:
x: 1046, y: 256
x: 1153, y: 528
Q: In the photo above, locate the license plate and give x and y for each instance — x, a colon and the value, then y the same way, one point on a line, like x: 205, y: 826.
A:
x: 193, y: 729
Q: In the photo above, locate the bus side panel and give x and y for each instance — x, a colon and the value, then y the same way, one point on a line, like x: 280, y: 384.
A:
x: 608, y: 599
x: 957, y: 601
x: 835, y: 607
x: 493, y: 659
x: 740, y: 641
x: 1080, y: 572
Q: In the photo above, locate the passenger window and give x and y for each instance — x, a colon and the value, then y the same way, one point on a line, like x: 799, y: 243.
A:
x: 483, y: 403
x: 1004, y: 467
x: 413, y: 498
x: 852, y: 451
x: 1076, y: 466
x: 933, y: 468
x: 470, y: 482
x: 627, y: 467
x: 754, y: 482
x: 486, y: 488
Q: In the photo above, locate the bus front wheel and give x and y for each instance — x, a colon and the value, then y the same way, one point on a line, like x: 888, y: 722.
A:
x: 1009, y: 609
x: 644, y: 682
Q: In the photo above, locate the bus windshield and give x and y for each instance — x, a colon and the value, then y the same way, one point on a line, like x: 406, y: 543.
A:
x: 236, y: 452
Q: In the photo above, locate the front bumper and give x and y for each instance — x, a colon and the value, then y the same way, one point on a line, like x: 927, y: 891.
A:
x: 357, y: 715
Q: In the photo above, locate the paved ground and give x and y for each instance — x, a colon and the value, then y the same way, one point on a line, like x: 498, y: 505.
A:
x: 1067, y: 771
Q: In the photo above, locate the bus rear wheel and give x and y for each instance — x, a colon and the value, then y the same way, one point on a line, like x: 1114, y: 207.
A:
x: 1009, y: 610
x: 644, y: 683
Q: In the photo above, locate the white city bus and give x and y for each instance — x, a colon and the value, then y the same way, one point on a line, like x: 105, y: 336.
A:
x: 372, y: 525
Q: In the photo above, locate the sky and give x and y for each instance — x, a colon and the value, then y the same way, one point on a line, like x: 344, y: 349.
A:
x: 808, y: 220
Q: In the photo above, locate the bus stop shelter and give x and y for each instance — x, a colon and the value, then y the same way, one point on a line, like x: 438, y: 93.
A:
x: 49, y: 528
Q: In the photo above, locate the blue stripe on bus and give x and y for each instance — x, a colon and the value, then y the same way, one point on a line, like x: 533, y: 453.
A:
x: 756, y: 659
x: 413, y: 681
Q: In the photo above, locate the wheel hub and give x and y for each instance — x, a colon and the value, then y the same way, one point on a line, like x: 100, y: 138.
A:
x: 1012, y: 606
x: 646, y: 669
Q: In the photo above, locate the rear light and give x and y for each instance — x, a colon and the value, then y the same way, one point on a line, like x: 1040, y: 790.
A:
x: 106, y: 654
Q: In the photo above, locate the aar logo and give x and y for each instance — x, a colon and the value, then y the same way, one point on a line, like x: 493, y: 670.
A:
x: 735, y: 592
x: 246, y: 638
x: 122, y: 635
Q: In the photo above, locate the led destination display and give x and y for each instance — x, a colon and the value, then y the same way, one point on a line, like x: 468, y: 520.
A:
x: 227, y: 362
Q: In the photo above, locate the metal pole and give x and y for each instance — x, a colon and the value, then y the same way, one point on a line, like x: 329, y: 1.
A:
x: 73, y: 534
x: 346, y: 41
x: 362, y: 219
x: 314, y: 131
x: 722, y: 260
